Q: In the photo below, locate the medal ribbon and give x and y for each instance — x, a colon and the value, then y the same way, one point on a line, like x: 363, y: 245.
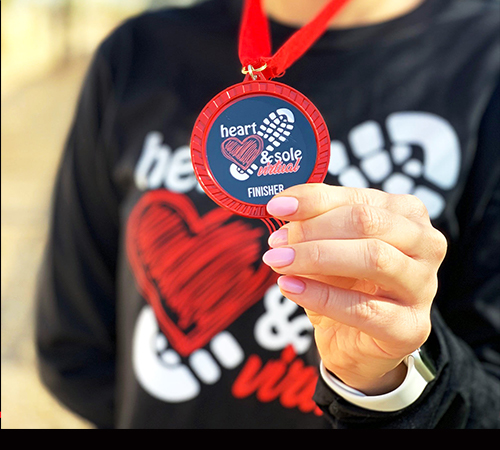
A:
x: 255, y: 39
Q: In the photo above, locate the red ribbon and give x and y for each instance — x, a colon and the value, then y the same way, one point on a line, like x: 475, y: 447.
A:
x: 255, y: 38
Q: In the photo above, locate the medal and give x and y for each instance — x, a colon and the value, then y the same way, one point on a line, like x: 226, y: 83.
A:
x: 259, y: 137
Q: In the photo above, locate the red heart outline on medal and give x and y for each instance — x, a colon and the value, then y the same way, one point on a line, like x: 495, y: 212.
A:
x: 243, y: 153
x: 198, y: 273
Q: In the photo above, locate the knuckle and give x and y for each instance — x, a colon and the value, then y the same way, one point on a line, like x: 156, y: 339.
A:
x: 439, y: 245
x: 416, y: 206
x: 356, y: 195
x: 428, y: 291
x: 434, y: 244
x: 316, y: 258
x: 366, y: 221
x: 378, y: 258
x: 367, y: 310
x: 362, y: 196
x: 432, y: 288
x: 421, y: 326
x: 324, y: 299
x: 324, y: 198
x: 413, y: 206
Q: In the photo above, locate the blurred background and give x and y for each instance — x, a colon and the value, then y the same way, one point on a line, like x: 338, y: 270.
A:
x: 46, y: 48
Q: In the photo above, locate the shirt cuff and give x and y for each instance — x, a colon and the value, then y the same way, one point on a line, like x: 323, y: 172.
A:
x: 406, y: 394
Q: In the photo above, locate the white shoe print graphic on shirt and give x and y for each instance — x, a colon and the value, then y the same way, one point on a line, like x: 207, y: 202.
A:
x: 160, y: 370
x: 397, y: 167
x: 162, y: 373
x: 275, y: 129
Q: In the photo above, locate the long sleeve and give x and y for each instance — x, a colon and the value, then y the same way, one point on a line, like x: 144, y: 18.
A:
x: 465, y: 342
x: 75, y: 316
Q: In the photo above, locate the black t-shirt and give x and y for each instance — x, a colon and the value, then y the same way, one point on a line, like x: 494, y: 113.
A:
x: 154, y: 308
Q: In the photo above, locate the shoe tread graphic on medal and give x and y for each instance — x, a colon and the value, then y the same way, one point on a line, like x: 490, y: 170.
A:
x: 275, y: 129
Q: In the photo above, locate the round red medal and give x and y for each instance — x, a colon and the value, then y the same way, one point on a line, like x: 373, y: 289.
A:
x: 256, y: 139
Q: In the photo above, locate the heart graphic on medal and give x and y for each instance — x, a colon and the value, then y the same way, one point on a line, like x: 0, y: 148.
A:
x: 255, y: 140
x: 243, y: 153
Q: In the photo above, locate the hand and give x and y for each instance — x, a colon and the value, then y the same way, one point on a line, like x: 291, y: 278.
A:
x: 363, y: 264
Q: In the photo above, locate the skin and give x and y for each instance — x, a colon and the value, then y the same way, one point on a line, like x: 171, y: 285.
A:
x: 363, y: 264
x: 354, y: 13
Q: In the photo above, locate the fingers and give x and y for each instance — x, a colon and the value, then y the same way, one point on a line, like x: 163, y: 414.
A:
x: 363, y: 240
x: 310, y: 200
x: 367, y: 313
x: 363, y: 221
x: 396, y: 275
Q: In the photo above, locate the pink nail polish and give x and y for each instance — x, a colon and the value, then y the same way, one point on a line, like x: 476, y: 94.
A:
x: 279, y: 257
x: 292, y: 285
x: 278, y: 238
x: 282, y: 206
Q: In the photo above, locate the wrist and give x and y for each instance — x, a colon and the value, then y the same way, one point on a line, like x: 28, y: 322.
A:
x: 379, y: 385
x: 365, y: 379
x: 418, y: 374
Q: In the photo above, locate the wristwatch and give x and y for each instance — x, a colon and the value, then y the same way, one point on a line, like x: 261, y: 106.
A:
x: 420, y: 373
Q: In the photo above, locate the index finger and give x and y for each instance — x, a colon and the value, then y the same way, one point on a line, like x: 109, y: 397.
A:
x: 305, y: 201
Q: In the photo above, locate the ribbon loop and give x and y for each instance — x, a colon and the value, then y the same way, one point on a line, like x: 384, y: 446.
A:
x: 255, y: 38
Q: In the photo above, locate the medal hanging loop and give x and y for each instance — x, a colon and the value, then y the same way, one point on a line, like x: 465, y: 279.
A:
x: 255, y: 38
x: 260, y: 137
x: 253, y: 73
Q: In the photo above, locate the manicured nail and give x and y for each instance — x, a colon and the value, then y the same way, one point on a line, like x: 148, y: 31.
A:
x: 292, y: 285
x: 278, y: 238
x: 279, y: 257
x: 282, y: 206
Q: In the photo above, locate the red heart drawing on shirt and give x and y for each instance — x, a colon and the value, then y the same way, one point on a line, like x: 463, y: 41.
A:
x: 199, y: 274
x: 243, y: 153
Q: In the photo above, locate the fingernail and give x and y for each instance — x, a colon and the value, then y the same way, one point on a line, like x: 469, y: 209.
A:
x: 278, y: 238
x: 279, y: 257
x: 282, y: 206
x: 291, y: 285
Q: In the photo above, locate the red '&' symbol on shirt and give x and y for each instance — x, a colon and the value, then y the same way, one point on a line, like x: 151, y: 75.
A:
x: 199, y: 274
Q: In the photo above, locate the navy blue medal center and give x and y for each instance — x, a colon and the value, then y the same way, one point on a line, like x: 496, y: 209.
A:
x: 259, y: 146
x: 255, y: 140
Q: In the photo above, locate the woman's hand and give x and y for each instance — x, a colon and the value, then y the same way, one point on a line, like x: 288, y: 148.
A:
x: 363, y: 264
